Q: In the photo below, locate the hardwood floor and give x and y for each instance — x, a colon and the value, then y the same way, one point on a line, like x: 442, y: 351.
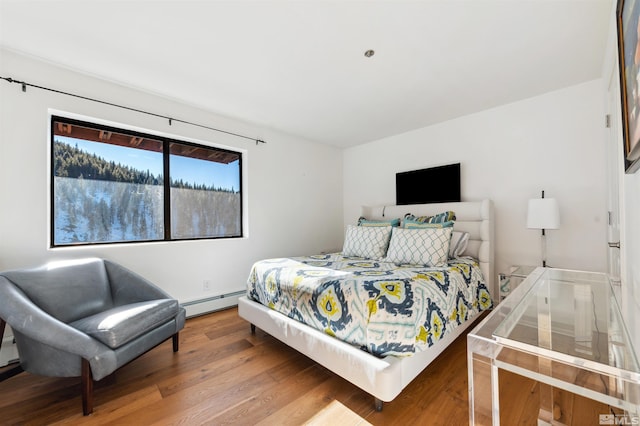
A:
x: 225, y: 375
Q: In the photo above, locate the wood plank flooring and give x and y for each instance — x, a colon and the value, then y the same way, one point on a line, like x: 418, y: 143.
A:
x: 224, y: 375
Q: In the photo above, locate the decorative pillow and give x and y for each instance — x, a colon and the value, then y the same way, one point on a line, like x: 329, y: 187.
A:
x: 366, y: 241
x: 439, y: 218
x: 391, y: 222
x: 459, y: 242
x: 428, y: 246
x: 412, y: 224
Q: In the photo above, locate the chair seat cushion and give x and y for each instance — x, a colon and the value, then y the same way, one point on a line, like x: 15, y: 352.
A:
x: 119, y: 325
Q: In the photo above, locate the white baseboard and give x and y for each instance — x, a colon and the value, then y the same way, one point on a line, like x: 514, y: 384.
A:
x: 212, y: 304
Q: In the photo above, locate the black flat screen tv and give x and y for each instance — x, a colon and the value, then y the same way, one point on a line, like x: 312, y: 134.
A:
x: 433, y: 185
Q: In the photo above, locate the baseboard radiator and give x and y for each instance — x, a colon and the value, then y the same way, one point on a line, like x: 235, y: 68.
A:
x: 9, y: 349
x: 198, y: 307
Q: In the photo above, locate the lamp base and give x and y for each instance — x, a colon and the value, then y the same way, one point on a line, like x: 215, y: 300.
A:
x: 543, y: 240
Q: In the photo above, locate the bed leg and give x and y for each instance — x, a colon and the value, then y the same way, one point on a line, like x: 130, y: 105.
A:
x: 253, y: 329
x: 378, y: 403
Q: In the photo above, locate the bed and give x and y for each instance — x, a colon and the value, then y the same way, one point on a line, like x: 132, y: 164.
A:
x: 382, y: 368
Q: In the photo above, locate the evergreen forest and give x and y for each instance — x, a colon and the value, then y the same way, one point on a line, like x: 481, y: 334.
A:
x: 96, y: 200
x: 70, y: 161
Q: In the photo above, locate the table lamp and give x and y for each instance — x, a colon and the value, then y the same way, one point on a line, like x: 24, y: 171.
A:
x: 543, y: 213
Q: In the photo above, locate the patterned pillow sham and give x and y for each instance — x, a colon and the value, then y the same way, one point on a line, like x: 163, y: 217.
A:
x: 365, y: 222
x: 366, y: 241
x: 459, y: 242
x: 413, y: 224
x: 438, y: 218
x: 427, y: 246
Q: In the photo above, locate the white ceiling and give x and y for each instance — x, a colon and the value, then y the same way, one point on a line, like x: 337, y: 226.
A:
x: 299, y: 66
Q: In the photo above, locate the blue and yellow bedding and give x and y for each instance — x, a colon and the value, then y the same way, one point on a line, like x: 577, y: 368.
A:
x: 378, y: 306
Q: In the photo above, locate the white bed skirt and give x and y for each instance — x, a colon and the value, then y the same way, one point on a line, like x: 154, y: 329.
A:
x: 383, y: 378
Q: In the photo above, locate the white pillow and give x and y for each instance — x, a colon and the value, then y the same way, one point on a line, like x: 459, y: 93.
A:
x: 423, y: 246
x: 366, y: 241
x: 459, y: 242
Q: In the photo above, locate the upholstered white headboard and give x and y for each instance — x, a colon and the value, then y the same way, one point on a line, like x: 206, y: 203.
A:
x: 474, y: 217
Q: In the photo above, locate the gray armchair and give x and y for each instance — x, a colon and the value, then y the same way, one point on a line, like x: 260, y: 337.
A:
x: 85, y: 318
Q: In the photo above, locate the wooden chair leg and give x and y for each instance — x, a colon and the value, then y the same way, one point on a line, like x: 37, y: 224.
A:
x: 2, y: 324
x: 87, y: 388
x: 176, y: 342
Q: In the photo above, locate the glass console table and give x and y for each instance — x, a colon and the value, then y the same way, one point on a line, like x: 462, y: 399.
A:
x: 563, y: 330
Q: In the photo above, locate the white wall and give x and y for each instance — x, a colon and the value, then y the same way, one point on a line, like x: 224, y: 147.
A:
x: 628, y: 187
x: 553, y: 142
x: 291, y: 184
x: 630, y: 245
x: 628, y: 292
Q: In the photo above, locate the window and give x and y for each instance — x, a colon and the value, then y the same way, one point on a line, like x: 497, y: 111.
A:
x: 112, y: 185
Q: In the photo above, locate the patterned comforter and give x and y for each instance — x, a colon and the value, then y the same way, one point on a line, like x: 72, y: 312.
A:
x: 380, y: 307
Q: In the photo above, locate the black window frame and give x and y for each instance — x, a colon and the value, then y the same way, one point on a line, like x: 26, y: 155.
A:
x: 166, y: 153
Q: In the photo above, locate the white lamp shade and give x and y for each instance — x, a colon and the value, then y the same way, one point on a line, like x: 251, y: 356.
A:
x: 543, y: 213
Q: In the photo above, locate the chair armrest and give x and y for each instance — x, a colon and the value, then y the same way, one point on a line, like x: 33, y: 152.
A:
x: 27, y: 318
x: 128, y: 287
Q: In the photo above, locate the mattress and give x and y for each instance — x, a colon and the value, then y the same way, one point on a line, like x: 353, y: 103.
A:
x: 380, y: 307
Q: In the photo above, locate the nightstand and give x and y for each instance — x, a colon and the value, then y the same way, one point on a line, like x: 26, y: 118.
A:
x: 508, y: 282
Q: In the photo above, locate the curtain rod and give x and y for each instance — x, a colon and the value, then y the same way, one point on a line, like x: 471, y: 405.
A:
x: 25, y: 85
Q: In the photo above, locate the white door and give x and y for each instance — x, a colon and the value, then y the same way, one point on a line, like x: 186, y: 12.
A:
x: 614, y: 155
